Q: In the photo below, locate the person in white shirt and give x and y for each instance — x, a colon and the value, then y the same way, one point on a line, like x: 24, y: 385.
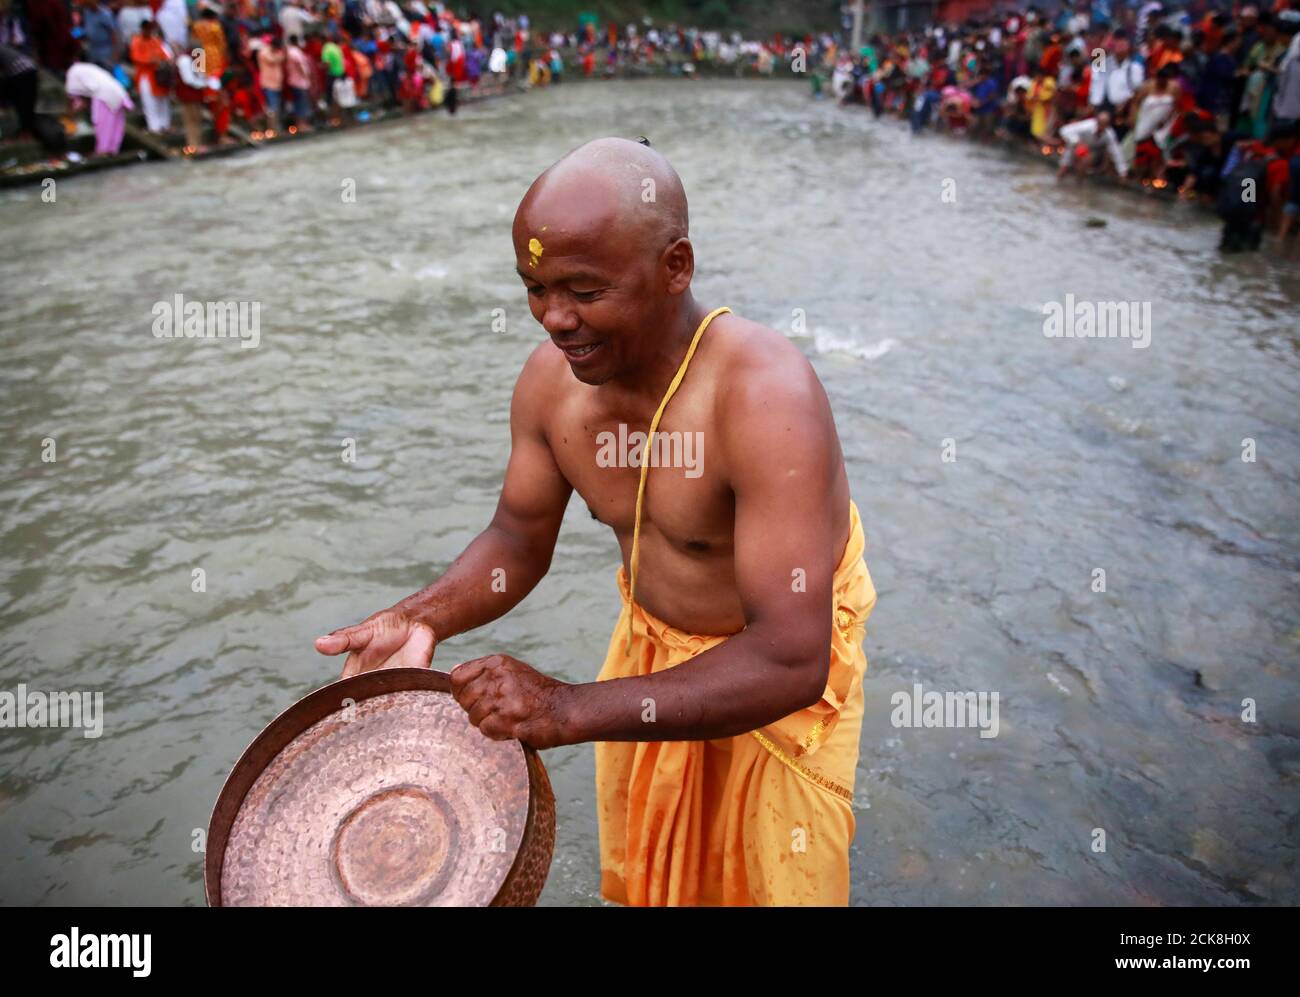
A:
x: 294, y: 20
x: 174, y: 23
x: 109, y: 103
x: 190, y: 94
x: 1114, y: 85
x: 1094, y: 133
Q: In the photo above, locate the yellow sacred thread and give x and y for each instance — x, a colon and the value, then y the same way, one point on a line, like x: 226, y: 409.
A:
x: 645, y: 465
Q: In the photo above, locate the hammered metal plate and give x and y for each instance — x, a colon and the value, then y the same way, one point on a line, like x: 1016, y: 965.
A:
x: 391, y: 800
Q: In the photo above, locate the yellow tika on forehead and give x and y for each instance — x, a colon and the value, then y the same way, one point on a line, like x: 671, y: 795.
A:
x: 535, y: 250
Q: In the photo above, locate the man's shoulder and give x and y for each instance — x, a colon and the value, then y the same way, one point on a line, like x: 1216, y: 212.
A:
x: 768, y: 402
x: 751, y: 352
x: 760, y: 371
x: 542, y: 379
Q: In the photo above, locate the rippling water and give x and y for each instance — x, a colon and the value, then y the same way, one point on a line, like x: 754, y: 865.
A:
x: 1119, y: 710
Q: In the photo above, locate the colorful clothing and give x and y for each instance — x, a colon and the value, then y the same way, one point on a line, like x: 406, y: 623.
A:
x: 210, y: 35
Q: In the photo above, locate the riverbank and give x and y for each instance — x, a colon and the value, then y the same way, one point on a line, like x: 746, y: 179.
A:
x: 26, y: 162
x: 38, y: 170
x: 672, y: 68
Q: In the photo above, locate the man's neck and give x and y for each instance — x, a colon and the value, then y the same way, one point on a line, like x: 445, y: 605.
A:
x: 650, y: 379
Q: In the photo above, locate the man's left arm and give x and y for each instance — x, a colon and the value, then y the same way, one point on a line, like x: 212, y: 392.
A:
x: 782, y: 458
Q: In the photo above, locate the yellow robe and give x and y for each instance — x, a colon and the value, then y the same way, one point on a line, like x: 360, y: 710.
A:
x: 763, y: 818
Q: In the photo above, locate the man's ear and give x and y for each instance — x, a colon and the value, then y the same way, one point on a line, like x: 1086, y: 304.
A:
x: 678, y: 261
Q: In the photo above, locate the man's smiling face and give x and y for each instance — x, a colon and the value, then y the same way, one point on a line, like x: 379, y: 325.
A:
x: 592, y: 292
x: 604, y: 265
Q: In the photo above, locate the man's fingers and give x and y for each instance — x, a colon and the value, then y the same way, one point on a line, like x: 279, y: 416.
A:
x: 331, y: 644
x: 366, y: 660
x: 466, y: 672
x: 348, y: 639
x: 478, y: 688
x: 379, y: 647
x: 497, y: 729
x: 352, y: 666
x: 481, y: 711
x: 490, y: 722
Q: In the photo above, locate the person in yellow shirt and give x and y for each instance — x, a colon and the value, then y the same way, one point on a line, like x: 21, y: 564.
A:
x: 1042, y: 105
x: 726, y: 717
x: 208, y: 32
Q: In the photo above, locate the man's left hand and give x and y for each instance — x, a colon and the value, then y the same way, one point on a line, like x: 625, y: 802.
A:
x: 506, y: 698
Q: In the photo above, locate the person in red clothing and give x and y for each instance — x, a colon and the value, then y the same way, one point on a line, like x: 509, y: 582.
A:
x: 411, y: 90
x: 359, y: 70
x: 51, y: 31
x: 191, y: 95
x: 246, y: 100
x: 1166, y: 48
x: 1050, y: 63
x: 148, y: 56
x: 456, y: 59
x: 1278, y: 149
x: 218, y: 103
x: 1212, y: 26
x: 313, y: 48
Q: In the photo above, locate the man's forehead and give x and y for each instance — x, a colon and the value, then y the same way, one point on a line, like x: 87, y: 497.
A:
x: 570, y: 254
x: 569, y: 211
x: 580, y: 237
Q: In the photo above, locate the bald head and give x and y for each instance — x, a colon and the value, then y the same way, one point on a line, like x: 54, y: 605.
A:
x: 609, y: 186
x: 601, y: 244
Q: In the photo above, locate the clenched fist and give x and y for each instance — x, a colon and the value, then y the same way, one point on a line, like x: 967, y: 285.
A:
x: 506, y: 698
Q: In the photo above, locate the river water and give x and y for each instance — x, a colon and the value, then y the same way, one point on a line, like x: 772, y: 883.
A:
x: 1123, y: 771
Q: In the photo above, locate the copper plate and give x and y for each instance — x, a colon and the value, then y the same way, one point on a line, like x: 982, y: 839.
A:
x: 376, y: 790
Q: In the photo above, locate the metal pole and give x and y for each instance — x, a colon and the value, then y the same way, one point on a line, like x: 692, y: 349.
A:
x: 858, y: 11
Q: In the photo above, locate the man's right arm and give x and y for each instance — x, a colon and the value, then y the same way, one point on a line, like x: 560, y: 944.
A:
x: 509, y: 558
x: 498, y: 568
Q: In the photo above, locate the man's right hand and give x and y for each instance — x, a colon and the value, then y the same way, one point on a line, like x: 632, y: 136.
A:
x: 389, y: 639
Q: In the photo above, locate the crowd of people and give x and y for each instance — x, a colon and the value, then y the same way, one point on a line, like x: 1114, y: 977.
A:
x: 269, y: 65
x: 1201, y: 100
x: 273, y: 66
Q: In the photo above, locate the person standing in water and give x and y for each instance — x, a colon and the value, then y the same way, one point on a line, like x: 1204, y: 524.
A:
x: 726, y: 717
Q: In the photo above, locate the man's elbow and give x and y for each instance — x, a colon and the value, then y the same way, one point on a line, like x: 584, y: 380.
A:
x: 527, y: 548
x: 806, y: 665
x: 812, y: 682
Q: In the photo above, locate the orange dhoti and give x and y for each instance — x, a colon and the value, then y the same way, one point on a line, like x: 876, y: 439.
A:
x: 763, y: 818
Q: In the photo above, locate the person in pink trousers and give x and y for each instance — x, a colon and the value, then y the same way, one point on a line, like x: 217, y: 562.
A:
x: 109, y: 103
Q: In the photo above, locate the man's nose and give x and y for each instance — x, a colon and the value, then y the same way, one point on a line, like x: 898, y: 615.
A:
x: 560, y: 315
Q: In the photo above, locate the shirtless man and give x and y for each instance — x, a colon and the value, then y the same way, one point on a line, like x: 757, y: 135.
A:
x: 727, y: 714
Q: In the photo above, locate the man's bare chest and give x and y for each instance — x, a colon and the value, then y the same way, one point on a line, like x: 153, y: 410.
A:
x: 688, y: 502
